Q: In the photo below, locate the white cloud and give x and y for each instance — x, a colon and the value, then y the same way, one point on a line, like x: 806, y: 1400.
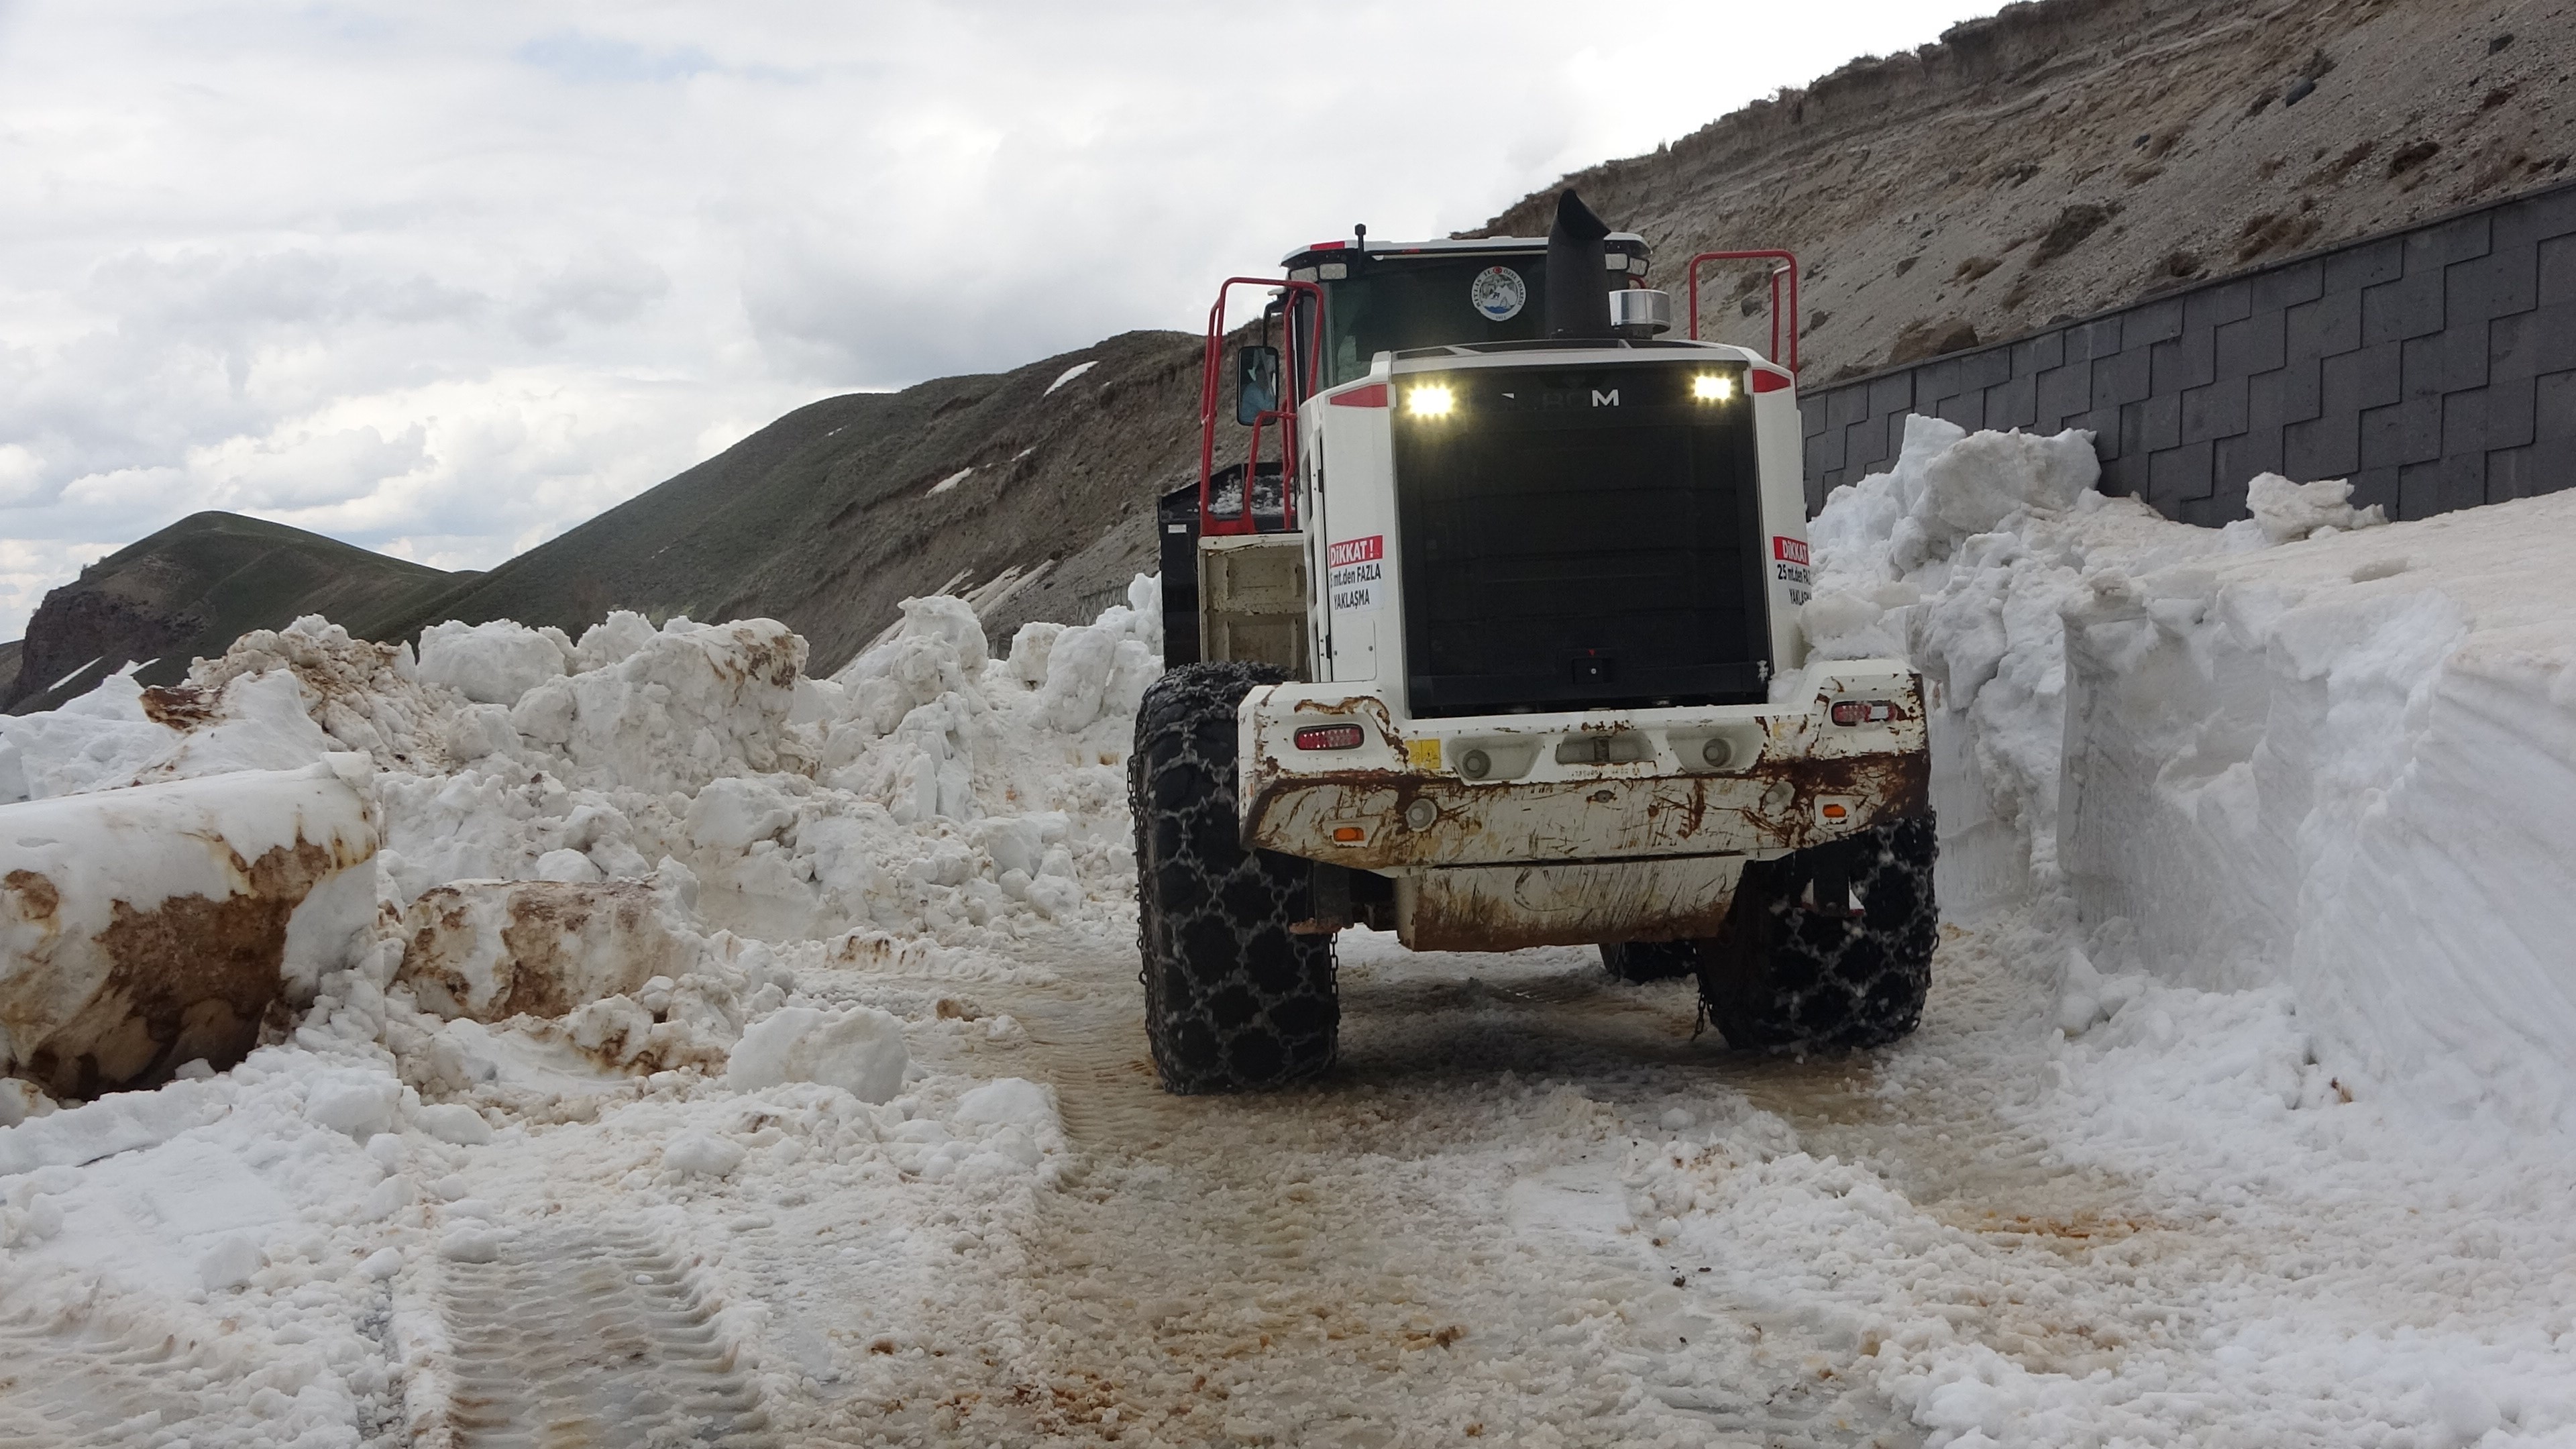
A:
x: 448, y: 279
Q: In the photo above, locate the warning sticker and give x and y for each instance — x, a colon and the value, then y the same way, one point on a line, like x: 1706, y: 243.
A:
x: 1789, y: 567
x: 1795, y: 576
x: 1355, y: 569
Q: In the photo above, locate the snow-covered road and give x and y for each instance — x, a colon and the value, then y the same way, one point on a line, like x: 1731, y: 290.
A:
x: 735, y: 1057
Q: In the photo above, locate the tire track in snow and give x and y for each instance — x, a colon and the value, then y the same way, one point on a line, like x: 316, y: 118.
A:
x: 586, y: 1337
x: 1375, y: 1260
x: 65, y: 1381
x: 61, y: 1384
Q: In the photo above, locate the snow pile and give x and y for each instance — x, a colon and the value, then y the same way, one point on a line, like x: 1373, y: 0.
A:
x: 2308, y: 750
x: 652, y: 899
x: 619, y: 853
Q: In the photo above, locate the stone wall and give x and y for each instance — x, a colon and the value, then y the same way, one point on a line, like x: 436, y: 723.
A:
x: 2434, y: 366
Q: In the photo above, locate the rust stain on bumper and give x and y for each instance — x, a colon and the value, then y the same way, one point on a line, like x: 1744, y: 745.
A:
x: 1507, y: 908
x: 1770, y: 808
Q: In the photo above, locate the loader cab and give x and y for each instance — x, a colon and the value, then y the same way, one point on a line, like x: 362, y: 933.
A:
x: 1340, y: 305
x: 1399, y: 296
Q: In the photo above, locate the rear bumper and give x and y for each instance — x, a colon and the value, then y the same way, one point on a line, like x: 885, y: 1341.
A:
x: 1402, y: 803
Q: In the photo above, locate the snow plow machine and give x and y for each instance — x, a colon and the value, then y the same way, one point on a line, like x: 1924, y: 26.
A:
x: 1489, y: 638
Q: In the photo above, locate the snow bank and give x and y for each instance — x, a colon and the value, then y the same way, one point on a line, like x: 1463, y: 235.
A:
x: 2348, y: 766
x: 2308, y: 749
x: 637, y: 921
x: 145, y: 928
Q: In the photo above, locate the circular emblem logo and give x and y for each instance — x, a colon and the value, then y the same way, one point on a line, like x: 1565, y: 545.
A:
x: 1498, y: 293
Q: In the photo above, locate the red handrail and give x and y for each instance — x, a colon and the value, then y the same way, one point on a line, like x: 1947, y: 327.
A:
x: 1210, y: 377
x: 1789, y: 268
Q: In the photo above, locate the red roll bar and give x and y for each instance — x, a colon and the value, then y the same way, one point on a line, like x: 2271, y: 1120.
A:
x: 1211, y: 377
x: 1788, y: 267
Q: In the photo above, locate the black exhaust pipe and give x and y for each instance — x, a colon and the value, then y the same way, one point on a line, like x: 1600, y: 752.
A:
x: 1578, y: 273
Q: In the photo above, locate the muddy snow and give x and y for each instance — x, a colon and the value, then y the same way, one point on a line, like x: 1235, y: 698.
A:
x: 731, y: 1056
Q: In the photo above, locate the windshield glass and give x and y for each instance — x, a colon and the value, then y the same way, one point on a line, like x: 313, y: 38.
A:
x: 1391, y: 306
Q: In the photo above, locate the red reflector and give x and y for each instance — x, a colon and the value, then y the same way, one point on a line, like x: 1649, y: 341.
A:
x: 1768, y: 380
x: 1330, y: 737
x: 1854, y: 712
x: 1371, y: 396
x: 1331, y: 246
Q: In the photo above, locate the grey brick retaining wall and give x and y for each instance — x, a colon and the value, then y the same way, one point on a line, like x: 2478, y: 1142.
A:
x: 2435, y: 367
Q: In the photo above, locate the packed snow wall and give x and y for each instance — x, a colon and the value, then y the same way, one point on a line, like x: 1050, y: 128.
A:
x: 2349, y: 765
x: 2307, y: 749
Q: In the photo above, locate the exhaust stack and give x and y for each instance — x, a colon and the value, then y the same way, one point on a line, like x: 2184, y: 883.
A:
x: 1578, y: 282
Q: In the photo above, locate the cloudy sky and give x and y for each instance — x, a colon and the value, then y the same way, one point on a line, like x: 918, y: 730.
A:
x: 445, y: 279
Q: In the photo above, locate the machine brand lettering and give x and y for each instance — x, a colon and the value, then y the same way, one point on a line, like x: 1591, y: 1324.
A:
x: 1608, y: 399
x: 1788, y: 550
x: 1355, y: 567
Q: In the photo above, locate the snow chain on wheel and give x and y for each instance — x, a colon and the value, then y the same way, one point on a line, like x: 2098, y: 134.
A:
x: 1829, y: 947
x: 1234, y: 1000
x: 1634, y: 961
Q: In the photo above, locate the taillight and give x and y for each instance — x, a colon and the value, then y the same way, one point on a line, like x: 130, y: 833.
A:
x: 1864, y: 711
x: 1330, y: 737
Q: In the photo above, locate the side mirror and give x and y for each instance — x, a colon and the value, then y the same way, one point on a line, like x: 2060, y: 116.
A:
x: 1256, y: 383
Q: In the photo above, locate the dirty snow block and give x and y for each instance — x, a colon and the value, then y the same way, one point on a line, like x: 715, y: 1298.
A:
x: 493, y: 949
x: 145, y: 927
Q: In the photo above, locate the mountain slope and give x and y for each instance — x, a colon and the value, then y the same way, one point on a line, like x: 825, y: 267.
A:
x: 2067, y: 156
x: 191, y: 589
x: 830, y: 516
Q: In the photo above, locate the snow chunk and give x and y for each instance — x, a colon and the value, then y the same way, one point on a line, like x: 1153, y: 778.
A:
x: 230, y: 1263
x: 493, y: 949
x: 2287, y: 512
x: 454, y: 1122
x: 1068, y: 375
x: 861, y: 1051
x: 1011, y: 1102
x: 492, y: 663
x: 696, y: 1153
x: 360, y: 1105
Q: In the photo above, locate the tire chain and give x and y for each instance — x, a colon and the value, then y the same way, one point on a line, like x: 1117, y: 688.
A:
x: 1839, y: 978
x: 1637, y: 961
x: 1234, y: 999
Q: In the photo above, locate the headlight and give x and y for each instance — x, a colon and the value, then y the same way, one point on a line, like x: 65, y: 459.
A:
x: 1712, y: 387
x: 1430, y: 401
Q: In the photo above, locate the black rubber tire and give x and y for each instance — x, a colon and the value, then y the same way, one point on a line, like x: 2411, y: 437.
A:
x: 1789, y: 972
x: 1234, y: 1000
x: 1634, y: 961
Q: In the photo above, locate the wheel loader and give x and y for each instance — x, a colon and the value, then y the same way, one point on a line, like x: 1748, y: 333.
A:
x: 1488, y: 637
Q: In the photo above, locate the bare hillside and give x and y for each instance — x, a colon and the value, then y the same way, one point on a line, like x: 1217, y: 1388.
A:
x: 2066, y: 156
